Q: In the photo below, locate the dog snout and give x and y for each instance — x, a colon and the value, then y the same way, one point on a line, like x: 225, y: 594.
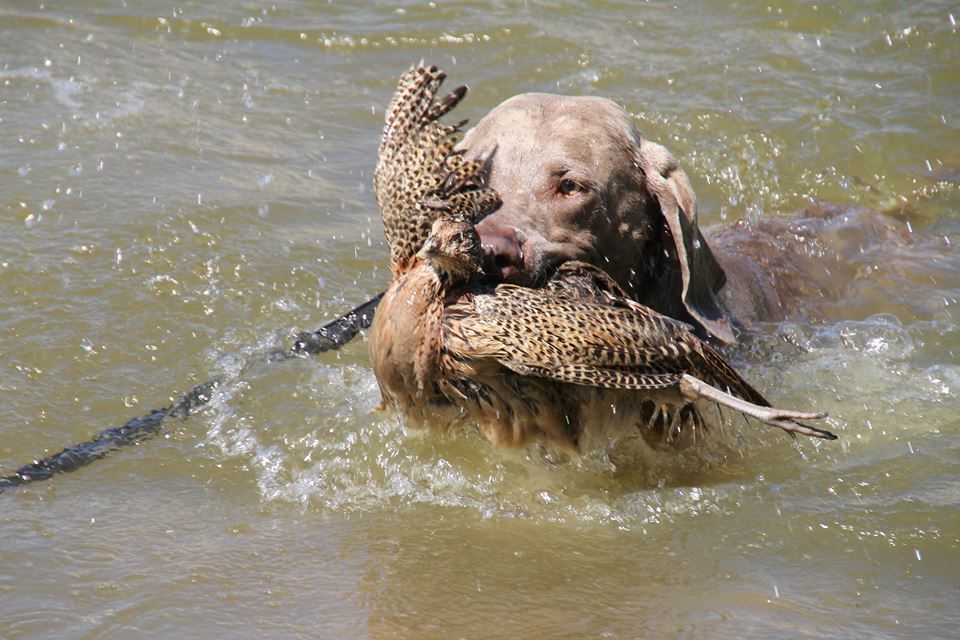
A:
x: 502, y: 249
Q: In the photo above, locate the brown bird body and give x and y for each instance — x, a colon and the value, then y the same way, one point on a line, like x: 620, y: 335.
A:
x: 405, y: 339
x: 574, y: 365
x: 418, y: 178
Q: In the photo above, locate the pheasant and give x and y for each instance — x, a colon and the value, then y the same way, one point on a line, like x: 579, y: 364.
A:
x: 536, y: 364
x: 419, y: 177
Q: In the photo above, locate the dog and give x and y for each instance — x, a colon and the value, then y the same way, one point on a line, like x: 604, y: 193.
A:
x: 537, y: 364
x: 579, y: 182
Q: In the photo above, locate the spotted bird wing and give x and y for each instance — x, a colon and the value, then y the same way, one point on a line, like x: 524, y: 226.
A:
x: 570, y: 331
x: 418, y: 175
x: 583, y: 281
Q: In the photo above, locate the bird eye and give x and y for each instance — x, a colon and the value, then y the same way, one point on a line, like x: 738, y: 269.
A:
x: 569, y: 188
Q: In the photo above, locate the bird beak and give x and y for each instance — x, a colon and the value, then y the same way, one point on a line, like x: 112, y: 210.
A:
x: 428, y: 250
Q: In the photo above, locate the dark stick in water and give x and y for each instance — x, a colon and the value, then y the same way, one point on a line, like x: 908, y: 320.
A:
x: 332, y: 335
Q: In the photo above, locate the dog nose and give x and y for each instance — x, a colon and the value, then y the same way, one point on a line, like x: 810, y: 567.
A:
x: 502, y: 253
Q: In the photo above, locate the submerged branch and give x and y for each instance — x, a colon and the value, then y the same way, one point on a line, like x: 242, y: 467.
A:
x: 332, y: 335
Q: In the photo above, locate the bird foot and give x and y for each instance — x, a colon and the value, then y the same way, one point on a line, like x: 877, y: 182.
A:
x: 693, y: 389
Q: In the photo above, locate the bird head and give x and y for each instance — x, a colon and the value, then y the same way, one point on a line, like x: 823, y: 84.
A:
x: 453, y: 247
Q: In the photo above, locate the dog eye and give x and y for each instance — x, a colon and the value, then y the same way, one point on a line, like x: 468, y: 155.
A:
x: 569, y: 187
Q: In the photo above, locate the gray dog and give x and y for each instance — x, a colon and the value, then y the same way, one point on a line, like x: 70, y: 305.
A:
x: 579, y: 182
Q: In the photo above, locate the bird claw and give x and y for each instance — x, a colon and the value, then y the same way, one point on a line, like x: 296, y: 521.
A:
x: 785, y: 419
x: 793, y: 428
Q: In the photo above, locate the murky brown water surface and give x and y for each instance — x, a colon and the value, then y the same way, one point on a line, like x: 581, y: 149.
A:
x: 185, y: 184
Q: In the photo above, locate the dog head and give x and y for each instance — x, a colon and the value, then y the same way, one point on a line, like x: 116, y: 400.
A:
x: 579, y: 182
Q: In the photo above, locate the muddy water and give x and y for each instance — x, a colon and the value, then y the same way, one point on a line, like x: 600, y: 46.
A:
x: 184, y: 185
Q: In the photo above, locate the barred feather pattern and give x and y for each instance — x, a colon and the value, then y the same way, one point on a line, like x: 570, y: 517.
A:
x: 419, y: 176
x: 580, y: 329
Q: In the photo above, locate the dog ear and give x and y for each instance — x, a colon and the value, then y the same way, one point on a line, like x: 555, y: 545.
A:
x: 701, y: 274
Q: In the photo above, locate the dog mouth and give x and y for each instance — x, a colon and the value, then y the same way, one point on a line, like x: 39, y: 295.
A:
x: 522, y: 261
x: 500, y: 267
x: 505, y: 255
x: 532, y: 272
